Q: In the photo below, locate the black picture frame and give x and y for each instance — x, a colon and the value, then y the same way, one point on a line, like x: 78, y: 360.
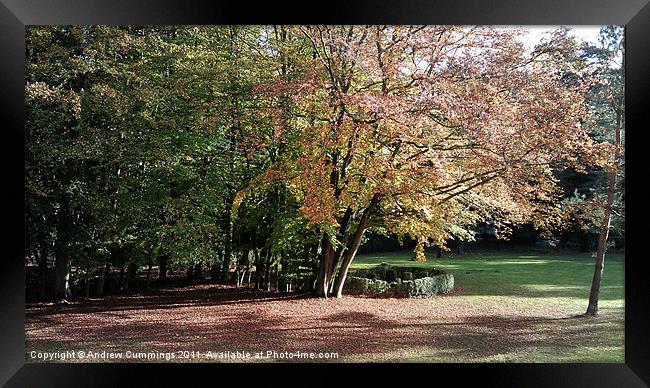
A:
x: 16, y: 14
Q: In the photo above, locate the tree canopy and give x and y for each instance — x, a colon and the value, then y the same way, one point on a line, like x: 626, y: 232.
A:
x: 280, y: 146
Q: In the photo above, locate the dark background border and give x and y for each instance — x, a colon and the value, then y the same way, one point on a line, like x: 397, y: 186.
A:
x: 15, y: 14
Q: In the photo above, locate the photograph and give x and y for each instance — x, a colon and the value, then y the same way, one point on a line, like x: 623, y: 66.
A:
x: 324, y: 193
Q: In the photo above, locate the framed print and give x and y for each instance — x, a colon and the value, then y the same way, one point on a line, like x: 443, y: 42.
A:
x: 434, y: 189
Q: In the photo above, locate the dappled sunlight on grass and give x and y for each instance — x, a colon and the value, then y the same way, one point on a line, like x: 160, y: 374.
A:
x: 519, y: 262
x: 550, y: 287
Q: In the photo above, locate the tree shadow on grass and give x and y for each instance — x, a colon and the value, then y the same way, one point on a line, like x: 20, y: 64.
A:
x: 172, y: 298
x: 243, y: 320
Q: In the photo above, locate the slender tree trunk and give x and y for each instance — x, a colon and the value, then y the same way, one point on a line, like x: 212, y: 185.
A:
x: 315, y: 265
x: 320, y: 266
x: 43, y: 282
x: 101, y: 281
x: 345, y: 265
x: 121, y: 278
x: 62, y: 275
x: 277, y: 276
x: 258, y: 268
x: 592, y: 308
x: 99, y: 286
x: 41, y: 259
x: 227, y: 255
x: 243, y: 275
x: 149, y: 265
x: 267, y: 270
x: 87, y: 286
x: 241, y: 270
x: 232, y: 149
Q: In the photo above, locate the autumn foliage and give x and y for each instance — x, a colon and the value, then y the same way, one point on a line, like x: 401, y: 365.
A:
x: 278, y: 147
x: 425, y: 131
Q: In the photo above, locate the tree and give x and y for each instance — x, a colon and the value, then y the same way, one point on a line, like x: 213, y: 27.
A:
x: 425, y: 131
x: 56, y: 74
x: 608, y: 102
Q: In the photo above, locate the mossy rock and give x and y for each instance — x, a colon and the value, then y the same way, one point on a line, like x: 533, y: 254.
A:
x: 377, y: 287
x: 399, y: 281
x: 356, y: 285
x: 404, y: 288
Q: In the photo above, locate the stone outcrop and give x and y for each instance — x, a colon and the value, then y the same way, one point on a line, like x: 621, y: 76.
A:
x: 390, y: 281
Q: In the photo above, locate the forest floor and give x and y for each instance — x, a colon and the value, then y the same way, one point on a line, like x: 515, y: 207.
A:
x: 505, y: 308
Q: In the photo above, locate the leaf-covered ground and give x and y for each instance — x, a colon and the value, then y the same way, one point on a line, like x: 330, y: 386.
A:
x: 505, y: 308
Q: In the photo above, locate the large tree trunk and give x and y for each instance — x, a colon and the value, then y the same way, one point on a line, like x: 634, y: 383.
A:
x: 162, y: 267
x: 325, y: 267
x: 592, y: 308
x: 62, y: 275
x: 330, y: 258
x: 62, y: 254
x: 99, y: 286
x: 132, y: 276
x: 344, y: 231
x: 215, y: 270
x: 351, y: 253
x: 101, y: 281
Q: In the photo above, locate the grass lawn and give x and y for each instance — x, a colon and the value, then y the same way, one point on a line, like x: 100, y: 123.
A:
x: 506, y: 307
x: 542, y: 285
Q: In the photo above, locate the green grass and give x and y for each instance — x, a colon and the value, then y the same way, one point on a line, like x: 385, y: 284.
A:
x: 555, y: 276
x: 544, y: 285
